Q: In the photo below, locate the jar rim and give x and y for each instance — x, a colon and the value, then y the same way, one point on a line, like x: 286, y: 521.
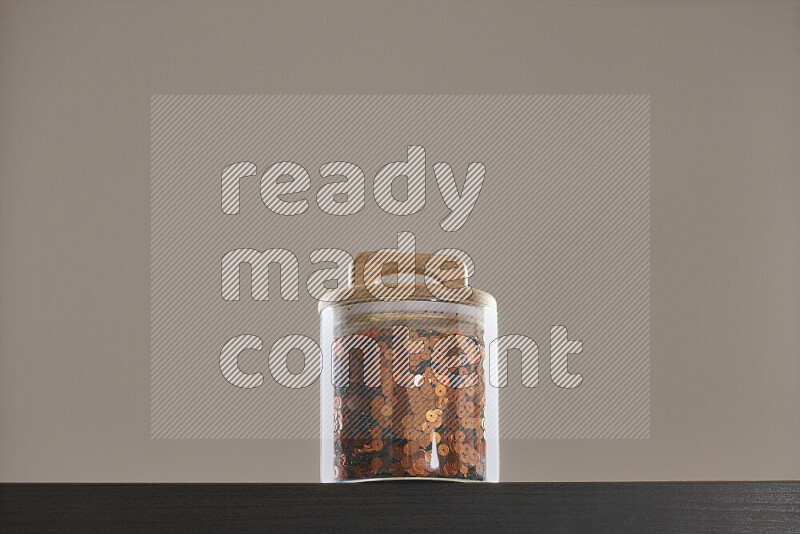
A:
x: 361, y: 294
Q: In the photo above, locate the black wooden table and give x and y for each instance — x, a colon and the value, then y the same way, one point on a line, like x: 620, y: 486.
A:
x: 403, y: 507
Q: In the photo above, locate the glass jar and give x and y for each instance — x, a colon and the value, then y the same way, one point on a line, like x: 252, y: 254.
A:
x: 405, y: 390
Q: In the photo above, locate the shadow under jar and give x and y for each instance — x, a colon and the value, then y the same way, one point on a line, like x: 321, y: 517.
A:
x: 405, y: 390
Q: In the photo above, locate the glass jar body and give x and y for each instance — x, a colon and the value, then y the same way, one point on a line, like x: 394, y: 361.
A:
x: 405, y: 392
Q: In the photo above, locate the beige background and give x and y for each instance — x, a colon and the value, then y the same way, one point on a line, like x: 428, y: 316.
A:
x: 75, y: 86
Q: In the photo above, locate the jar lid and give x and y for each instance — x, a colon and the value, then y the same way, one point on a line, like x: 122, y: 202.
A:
x: 368, y: 282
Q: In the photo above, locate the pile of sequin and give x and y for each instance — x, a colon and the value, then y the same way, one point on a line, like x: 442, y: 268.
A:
x: 434, y: 428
